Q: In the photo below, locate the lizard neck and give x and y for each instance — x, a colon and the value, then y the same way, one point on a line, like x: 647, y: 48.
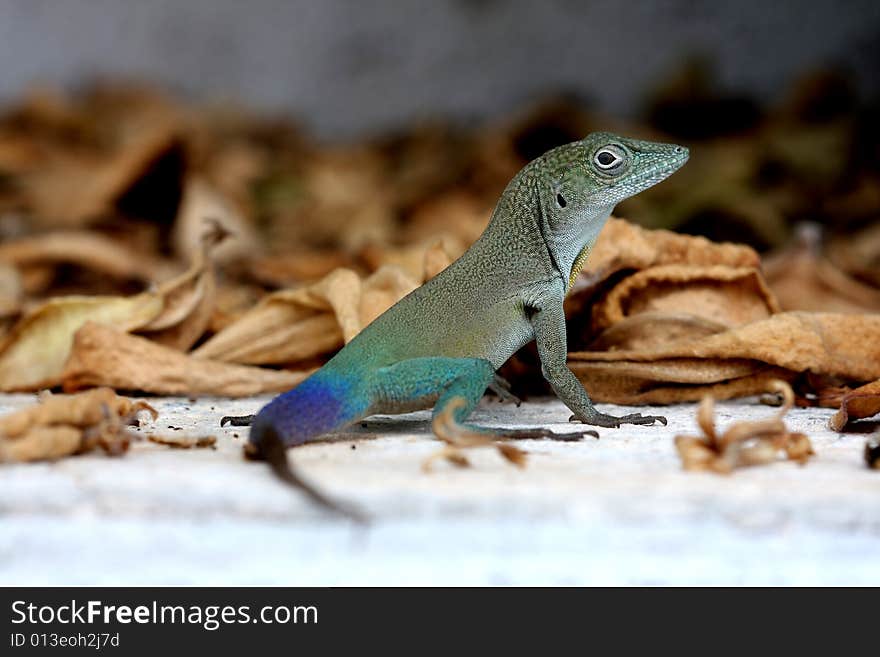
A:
x: 571, y: 249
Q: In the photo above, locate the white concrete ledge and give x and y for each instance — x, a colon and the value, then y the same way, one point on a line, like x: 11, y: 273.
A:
x: 614, y: 511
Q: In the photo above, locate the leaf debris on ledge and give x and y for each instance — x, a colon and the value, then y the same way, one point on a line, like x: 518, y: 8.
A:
x: 743, y: 443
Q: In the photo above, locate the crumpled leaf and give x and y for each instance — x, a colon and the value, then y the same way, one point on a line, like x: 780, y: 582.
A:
x: 459, y: 217
x: 102, y: 356
x: 458, y: 439
x: 86, y: 249
x: 296, y: 267
x: 857, y: 404
x: 625, y: 246
x: 716, y: 295
x: 188, y: 299
x: 199, y: 201
x: 60, y: 425
x: 846, y: 346
x: 421, y: 261
x: 33, y: 353
x: 804, y: 279
x: 743, y: 443
x: 293, y: 325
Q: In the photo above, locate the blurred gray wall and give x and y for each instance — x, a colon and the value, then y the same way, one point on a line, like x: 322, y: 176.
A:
x: 346, y: 66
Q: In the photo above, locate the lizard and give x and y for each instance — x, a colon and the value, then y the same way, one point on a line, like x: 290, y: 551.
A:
x: 440, y: 346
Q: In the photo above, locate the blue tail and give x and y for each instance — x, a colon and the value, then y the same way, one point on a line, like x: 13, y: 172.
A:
x: 320, y: 404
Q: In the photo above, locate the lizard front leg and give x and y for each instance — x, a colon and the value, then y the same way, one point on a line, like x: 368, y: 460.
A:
x: 548, y: 323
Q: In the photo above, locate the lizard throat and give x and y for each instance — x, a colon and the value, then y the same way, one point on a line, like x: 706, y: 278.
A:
x: 578, y: 264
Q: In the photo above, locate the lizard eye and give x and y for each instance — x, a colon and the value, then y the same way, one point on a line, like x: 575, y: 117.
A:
x: 560, y: 200
x: 609, y: 158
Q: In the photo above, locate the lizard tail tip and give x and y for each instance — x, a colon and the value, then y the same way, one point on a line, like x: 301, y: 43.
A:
x: 266, y: 444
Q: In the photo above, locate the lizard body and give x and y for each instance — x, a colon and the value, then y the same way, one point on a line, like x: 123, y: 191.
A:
x: 441, y: 345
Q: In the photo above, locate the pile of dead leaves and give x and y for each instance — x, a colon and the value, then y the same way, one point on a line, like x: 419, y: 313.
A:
x: 172, y: 249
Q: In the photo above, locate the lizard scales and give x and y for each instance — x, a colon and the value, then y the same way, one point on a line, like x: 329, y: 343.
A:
x: 440, y: 345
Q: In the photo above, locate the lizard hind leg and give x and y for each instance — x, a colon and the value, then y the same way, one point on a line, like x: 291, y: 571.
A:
x: 457, y: 385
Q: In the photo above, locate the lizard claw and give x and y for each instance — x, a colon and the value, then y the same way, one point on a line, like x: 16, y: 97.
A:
x: 613, y: 422
x: 236, y: 420
x: 501, y: 387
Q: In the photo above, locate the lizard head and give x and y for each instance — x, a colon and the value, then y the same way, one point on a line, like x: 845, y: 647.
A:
x: 579, y: 184
x: 601, y: 170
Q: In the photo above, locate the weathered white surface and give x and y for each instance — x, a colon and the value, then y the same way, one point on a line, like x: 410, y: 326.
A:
x: 614, y: 511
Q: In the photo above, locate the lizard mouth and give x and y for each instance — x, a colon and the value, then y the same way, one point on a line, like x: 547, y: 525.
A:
x: 660, y: 172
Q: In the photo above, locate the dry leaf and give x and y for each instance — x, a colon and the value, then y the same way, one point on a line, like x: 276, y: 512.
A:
x: 719, y: 294
x: 293, y: 325
x: 199, y: 202
x: 285, y: 269
x: 60, y: 425
x: 743, y: 443
x: 188, y: 299
x: 33, y: 353
x: 846, y: 346
x: 177, y: 313
x: 102, y: 356
x: 183, y: 442
x: 89, y: 250
x: 857, y: 404
x: 81, y: 411
x: 624, y: 246
x: 804, y: 279
x: 459, y: 438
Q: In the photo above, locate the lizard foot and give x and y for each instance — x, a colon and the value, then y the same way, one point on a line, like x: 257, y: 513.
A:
x: 236, y: 420
x: 501, y: 387
x: 613, y: 422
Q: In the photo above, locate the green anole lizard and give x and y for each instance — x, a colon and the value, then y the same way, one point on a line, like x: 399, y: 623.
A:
x: 441, y: 345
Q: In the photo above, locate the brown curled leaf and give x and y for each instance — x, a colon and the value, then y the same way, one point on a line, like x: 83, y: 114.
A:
x: 32, y: 355
x: 289, y: 326
x: 743, y: 443
x: 449, y: 453
x: 458, y: 437
x: 89, y: 250
x: 200, y: 202
x: 730, y: 296
x: 61, y: 425
x: 805, y: 279
x: 42, y: 443
x: 102, y: 356
x: 188, y: 299
x: 82, y: 410
x: 857, y: 404
x: 184, y: 441
x: 513, y: 454
x: 838, y: 345
x: 648, y: 330
x: 626, y: 246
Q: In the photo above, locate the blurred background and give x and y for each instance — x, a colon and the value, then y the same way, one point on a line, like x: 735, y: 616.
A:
x: 341, y: 133
x: 347, y: 68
